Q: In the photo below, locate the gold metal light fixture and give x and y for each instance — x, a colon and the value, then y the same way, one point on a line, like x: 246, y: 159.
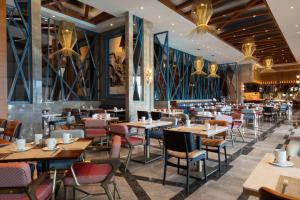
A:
x: 248, y: 49
x: 213, y: 68
x: 148, y: 76
x: 268, y: 64
x: 67, y: 38
x: 202, y: 12
x: 199, y: 64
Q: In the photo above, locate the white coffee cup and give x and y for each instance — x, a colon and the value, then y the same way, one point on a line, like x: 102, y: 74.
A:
x: 188, y: 122
x: 107, y: 116
x: 38, y: 138
x: 21, y: 144
x: 51, y: 143
x: 67, y: 137
x: 143, y: 119
x: 207, y: 126
x: 280, y: 156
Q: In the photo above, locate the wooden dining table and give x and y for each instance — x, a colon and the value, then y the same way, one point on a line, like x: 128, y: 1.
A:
x: 147, y: 126
x: 36, y: 153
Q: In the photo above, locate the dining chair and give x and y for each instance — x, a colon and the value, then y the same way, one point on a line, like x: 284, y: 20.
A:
x: 141, y: 114
x: 237, y: 124
x: 269, y: 113
x: 155, y: 115
x: 95, y: 129
x: 283, y: 110
x: 128, y: 140
x: 249, y: 116
x: 16, y: 183
x: 12, y: 130
x: 181, y: 145
x: 96, y: 171
x: 216, y: 145
x: 66, y: 112
x: 3, y: 123
x: 269, y: 194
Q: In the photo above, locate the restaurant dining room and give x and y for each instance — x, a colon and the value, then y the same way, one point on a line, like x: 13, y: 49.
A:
x: 150, y: 99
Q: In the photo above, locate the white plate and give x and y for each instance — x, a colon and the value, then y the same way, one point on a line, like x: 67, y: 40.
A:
x: 71, y: 141
x: 18, y: 150
x: 46, y: 149
x: 285, y: 164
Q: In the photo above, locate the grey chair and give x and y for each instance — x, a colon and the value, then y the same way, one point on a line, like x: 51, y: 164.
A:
x: 76, y: 133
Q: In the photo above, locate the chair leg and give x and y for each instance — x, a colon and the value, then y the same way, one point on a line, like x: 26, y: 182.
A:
x: 206, y: 152
x: 178, y: 163
x: 225, y: 154
x: 232, y: 139
x: 242, y: 134
x: 74, y: 193
x: 128, y: 159
x: 165, y: 169
x: 188, y: 176
x: 204, y: 170
x: 219, y: 160
x: 108, y: 192
x: 66, y: 192
x: 116, y: 189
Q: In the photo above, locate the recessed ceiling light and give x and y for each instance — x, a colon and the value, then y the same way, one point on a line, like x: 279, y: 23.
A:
x: 297, y: 25
x: 254, y: 16
x: 266, y: 30
x: 269, y: 38
x: 53, y: 16
x: 244, y: 29
x: 142, y: 8
x: 158, y: 16
x: 234, y: 35
x: 111, y: 24
x: 298, y: 32
x: 282, y: 50
x: 173, y: 24
x: 292, y: 7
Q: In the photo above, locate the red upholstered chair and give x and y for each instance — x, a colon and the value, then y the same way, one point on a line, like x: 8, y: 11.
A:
x: 12, y: 130
x: 128, y: 140
x: 3, y: 123
x: 95, y: 128
x: 16, y: 183
x: 95, y: 172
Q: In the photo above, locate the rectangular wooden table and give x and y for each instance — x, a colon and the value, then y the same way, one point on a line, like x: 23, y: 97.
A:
x: 267, y: 175
x: 35, y: 153
x: 148, y: 156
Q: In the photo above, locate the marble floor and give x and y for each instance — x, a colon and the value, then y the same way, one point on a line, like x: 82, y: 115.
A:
x: 144, y: 182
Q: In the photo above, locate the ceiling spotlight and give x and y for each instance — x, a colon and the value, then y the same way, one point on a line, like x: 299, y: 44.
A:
x: 173, y: 24
x: 53, y: 16
x: 297, y: 25
x: 111, y: 24
x: 158, y: 16
x: 244, y: 29
x: 298, y: 32
x: 269, y: 38
x: 292, y: 7
x: 254, y: 16
x: 142, y: 8
x: 266, y: 30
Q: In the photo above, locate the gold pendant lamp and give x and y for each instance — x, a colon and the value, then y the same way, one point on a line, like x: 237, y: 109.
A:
x: 268, y: 64
x: 202, y: 12
x: 67, y: 38
x: 213, y: 68
x: 248, y: 49
x: 199, y: 64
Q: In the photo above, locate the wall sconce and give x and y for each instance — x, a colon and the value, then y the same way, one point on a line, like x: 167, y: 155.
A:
x: 149, y: 76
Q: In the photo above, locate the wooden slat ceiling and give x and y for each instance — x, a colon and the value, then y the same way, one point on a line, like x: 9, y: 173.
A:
x: 240, y: 19
x: 77, y: 9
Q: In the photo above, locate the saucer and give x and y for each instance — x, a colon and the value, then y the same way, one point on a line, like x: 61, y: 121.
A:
x: 71, y: 141
x: 47, y: 149
x: 285, y: 164
x: 21, y: 150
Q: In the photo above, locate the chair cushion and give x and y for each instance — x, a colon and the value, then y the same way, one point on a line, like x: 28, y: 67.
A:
x: 133, y: 141
x: 87, y: 173
x: 213, y: 142
x: 95, y: 132
x: 194, y: 154
x: 15, y: 175
x: 43, y: 192
x: 159, y: 134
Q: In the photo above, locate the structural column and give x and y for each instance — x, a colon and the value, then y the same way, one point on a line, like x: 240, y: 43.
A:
x: 3, y: 61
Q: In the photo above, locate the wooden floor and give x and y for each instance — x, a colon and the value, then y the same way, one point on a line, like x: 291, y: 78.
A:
x: 144, y: 181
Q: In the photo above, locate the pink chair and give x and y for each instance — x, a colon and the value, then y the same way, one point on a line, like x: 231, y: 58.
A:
x: 128, y: 140
x: 95, y: 128
x: 16, y: 183
x: 95, y: 172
